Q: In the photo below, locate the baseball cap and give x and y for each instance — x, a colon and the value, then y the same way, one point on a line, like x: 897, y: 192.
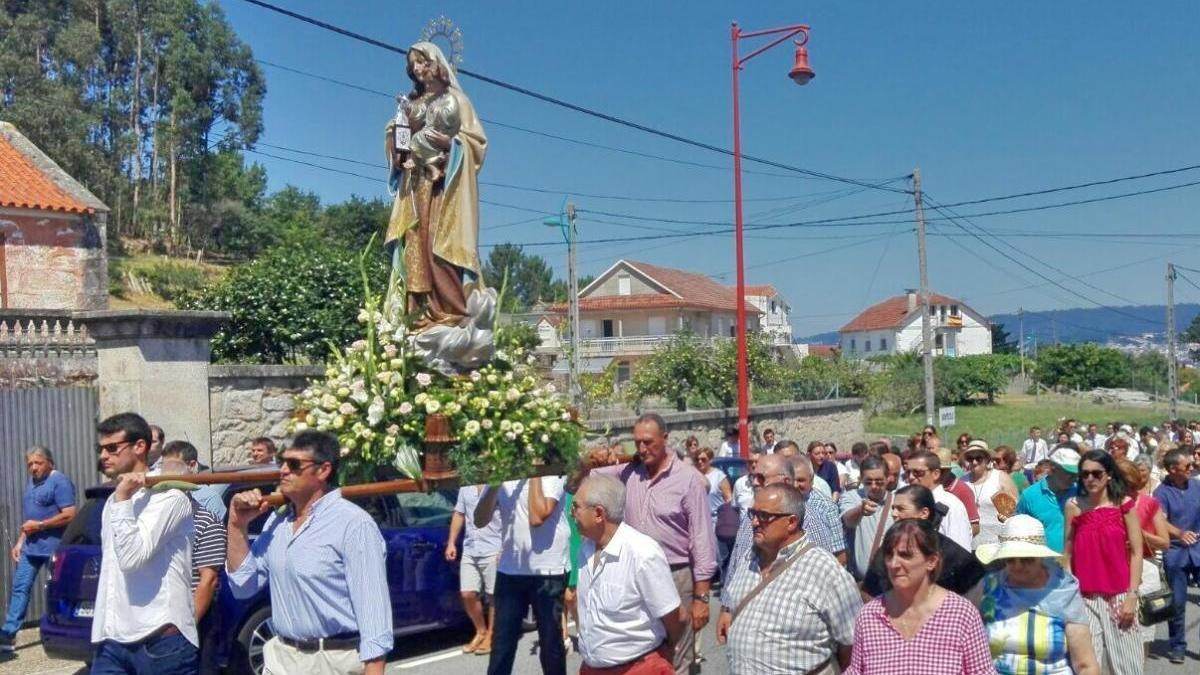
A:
x: 1067, y: 459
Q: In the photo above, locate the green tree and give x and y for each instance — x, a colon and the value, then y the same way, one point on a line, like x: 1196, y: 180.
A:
x: 1081, y: 366
x: 530, y: 278
x: 1192, y: 334
x: 1002, y: 342
x: 676, y: 372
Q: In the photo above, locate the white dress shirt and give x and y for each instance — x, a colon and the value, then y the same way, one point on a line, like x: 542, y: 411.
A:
x: 743, y: 493
x: 622, y: 594
x: 955, y: 525
x: 1033, y: 452
x: 528, y: 550
x: 146, y: 568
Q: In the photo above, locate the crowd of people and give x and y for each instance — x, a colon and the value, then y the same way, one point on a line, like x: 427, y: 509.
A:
x: 921, y: 559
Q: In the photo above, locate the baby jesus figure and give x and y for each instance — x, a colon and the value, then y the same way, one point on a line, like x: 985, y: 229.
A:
x: 438, y: 113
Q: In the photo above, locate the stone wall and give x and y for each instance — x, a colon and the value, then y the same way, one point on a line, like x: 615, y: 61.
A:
x: 838, y: 420
x: 53, y: 260
x: 250, y: 401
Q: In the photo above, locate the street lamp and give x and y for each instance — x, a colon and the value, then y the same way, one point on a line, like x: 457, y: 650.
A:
x: 801, y: 73
x: 565, y: 221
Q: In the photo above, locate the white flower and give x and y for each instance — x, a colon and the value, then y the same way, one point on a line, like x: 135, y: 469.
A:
x: 501, y: 354
x: 301, y: 426
x: 339, y: 422
x: 512, y: 395
x: 420, y: 398
x: 475, y: 376
x: 508, y: 376
x: 406, y: 408
x: 358, y: 346
x: 329, y: 402
x: 375, y: 411
x: 389, y: 351
x: 505, y: 425
x: 384, y: 377
x: 550, y: 388
x: 555, y: 426
x: 424, y: 379
x: 545, y: 438
x: 486, y: 424
x: 492, y: 379
x: 453, y: 408
x: 393, y: 430
x: 363, y: 316
x: 432, y: 406
x: 508, y: 435
x: 345, y: 452
x: 389, y: 442
x: 518, y: 428
x: 346, y: 408
x: 472, y: 427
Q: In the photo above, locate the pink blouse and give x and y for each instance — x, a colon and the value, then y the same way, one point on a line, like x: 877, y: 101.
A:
x: 952, y: 642
x: 1100, y: 550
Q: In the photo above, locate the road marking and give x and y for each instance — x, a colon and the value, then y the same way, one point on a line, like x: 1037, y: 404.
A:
x: 457, y: 651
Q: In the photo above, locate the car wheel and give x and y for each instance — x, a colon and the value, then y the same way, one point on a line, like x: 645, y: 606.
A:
x: 247, y: 657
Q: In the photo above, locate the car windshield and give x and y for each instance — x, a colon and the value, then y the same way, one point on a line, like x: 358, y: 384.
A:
x: 84, y: 528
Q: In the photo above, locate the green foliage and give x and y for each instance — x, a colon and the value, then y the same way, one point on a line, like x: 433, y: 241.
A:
x: 290, y: 303
x: 598, y: 388
x: 530, y: 278
x: 116, y: 277
x: 146, y: 103
x: 897, y: 383
x: 1081, y: 366
x: 516, y: 335
x: 1192, y: 334
x: 1002, y: 342
x: 171, y: 279
x: 691, y: 369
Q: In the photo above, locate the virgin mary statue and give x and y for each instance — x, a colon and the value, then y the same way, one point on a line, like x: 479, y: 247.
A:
x: 433, y: 230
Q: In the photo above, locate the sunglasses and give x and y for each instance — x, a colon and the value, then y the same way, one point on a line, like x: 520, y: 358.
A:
x: 917, y: 473
x: 762, y: 478
x: 112, y: 448
x: 765, y: 517
x: 1093, y: 473
x: 293, y: 464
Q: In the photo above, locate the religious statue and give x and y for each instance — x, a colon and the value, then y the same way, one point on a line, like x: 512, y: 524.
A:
x: 433, y: 231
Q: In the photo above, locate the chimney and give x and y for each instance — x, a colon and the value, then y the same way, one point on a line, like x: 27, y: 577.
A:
x: 910, y: 295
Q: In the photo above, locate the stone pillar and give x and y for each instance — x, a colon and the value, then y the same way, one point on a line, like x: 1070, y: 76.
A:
x: 155, y: 363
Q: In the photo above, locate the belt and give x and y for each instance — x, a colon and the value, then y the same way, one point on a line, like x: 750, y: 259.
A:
x: 819, y: 667
x: 339, y: 641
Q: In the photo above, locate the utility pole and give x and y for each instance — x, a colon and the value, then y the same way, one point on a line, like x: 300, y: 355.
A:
x: 573, y: 288
x: 1172, y: 382
x: 926, y: 328
x: 1021, y: 339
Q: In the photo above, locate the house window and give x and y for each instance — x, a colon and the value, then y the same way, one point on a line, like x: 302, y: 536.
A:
x: 623, y: 287
x: 937, y: 341
x: 773, y: 309
x: 733, y: 330
x: 867, y: 346
x: 607, y: 325
x: 852, y: 345
x: 883, y: 344
x: 953, y: 310
x: 622, y: 372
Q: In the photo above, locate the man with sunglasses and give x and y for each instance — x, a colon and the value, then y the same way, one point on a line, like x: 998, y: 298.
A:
x: 867, y: 514
x: 773, y: 469
x: 925, y: 468
x: 325, y: 560
x: 144, y: 621
x: 1179, y: 495
x: 793, y: 606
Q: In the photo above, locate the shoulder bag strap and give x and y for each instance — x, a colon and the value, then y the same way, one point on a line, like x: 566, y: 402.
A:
x: 880, y: 529
x: 771, y: 576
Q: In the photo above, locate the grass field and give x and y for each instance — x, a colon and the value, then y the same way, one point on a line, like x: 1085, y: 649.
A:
x: 1008, y: 422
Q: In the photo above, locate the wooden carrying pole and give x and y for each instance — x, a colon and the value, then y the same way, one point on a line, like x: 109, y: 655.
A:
x: 219, y: 478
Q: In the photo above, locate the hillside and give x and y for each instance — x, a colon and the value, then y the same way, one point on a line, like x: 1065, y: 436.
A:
x: 1079, y: 324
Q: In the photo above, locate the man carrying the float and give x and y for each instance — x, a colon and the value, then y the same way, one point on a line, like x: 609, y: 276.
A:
x: 325, y: 560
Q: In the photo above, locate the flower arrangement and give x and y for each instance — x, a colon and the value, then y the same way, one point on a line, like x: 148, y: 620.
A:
x: 377, y: 394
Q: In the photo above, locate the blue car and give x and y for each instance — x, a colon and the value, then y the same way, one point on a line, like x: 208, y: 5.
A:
x: 423, y: 586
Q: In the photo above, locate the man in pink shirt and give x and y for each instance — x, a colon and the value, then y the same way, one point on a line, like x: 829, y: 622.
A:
x: 667, y: 500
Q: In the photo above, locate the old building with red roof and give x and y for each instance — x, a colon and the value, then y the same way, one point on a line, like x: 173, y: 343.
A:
x: 52, y: 232
x: 894, y: 325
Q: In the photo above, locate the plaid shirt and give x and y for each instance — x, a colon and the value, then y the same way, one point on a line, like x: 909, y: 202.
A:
x: 822, y: 524
x: 798, y: 620
x: 952, y: 642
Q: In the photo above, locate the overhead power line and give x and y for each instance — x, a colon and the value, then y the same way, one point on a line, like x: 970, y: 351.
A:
x: 568, y: 105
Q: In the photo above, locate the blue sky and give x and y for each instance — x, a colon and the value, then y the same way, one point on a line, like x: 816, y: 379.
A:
x: 987, y: 98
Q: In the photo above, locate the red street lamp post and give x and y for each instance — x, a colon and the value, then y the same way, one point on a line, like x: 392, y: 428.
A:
x: 801, y: 73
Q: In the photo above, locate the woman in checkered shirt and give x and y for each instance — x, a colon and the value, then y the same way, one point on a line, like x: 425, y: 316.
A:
x: 918, y: 627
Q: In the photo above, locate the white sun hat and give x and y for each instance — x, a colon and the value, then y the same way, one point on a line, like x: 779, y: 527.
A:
x: 1021, y: 536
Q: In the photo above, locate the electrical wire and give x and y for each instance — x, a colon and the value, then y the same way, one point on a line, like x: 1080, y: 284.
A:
x: 566, y: 104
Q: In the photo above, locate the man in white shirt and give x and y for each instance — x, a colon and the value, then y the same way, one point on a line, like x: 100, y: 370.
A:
x: 924, y: 468
x: 628, y: 618
x: 532, y: 569
x: 743, y: 490
x: 144, y: 623
x: 1072, y: 429
x: 729, y: 447
x: 1094, y: 439
x: 1034, y: 449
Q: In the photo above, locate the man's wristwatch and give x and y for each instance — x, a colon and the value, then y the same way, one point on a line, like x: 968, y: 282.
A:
x: 703, y: 597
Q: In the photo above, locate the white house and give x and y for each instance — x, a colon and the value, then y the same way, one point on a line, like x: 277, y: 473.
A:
x: 894, y: 325
x: 633, y: 308
x: 774, y: 321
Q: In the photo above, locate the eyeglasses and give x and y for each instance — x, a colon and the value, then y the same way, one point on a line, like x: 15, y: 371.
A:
x: 1093, y: 473
x: 762, y: 478
x: 974, y: 459
x: 765, y: 517
x: 112, y: 448
x: 295, y: 465
x: 917, y: 473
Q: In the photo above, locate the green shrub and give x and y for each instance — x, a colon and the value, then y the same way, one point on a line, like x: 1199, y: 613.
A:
x: 171, y: 279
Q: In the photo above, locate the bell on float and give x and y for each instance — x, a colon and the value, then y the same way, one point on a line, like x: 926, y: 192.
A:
x: 801, y: 73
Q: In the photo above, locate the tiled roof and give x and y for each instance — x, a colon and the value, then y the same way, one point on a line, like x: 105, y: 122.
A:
x: 823, y: 351
x: 696, y: 290
x: 24, y: 185
x: 890, y: 313
x: 766, y: 290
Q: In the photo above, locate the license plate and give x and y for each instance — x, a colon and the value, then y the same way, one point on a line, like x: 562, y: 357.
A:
x: 85, y: 610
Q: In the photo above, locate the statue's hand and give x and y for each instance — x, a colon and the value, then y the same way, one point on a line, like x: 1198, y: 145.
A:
x: 438, y: 139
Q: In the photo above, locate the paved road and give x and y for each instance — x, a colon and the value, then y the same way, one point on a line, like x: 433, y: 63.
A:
x: 441, y: 653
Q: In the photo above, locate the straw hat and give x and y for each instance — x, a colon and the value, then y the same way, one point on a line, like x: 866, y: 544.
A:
x: 1021, y: 536
x: 978, y: 445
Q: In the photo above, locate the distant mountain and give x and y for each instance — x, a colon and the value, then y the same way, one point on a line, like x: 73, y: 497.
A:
x: 1078, y: 325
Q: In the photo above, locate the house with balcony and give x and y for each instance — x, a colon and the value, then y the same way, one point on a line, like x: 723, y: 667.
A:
x: 633, y: 308
x: 894, y: 325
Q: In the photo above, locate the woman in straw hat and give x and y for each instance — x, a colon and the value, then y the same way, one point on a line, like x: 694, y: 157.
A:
x: 985, y: 483
x: 1032, y: 609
